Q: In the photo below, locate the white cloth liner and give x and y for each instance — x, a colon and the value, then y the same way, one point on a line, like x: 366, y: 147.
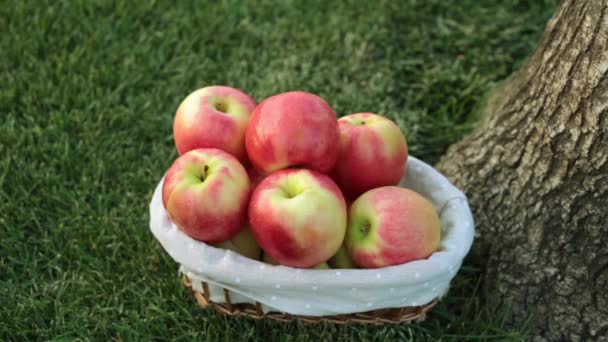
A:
x: 334, y: 291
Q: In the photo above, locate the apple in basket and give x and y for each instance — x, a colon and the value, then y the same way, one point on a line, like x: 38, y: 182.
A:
x: 292, y: 129
x: 254, y: 176
x: 373, y: 153
x: 342, y: 259
x: 213, y: 117
x: 269, y: 260
x: 298, y: 217
x: 205, y: 193
x: 243, y: 243
x: 391, y: 226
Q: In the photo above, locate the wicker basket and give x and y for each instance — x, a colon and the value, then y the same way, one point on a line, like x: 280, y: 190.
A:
x: 374, y: 317
x: 224, y: 280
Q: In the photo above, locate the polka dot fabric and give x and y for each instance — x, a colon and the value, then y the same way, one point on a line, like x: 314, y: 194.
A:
x: 316, y: 292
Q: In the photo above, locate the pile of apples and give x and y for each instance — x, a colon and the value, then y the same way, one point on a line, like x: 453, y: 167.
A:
x: 286, y: 178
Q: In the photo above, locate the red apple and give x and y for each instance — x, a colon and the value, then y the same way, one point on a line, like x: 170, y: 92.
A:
x: 293, y: 129
x: 205, y: 193
x: 213, y: 117
x: 298, y: 217
x: 254, y: 177
x: 391, y: 226
x: 373, y: 153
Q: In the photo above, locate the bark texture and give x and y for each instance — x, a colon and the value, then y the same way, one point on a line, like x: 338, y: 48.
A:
x: 536, y: 173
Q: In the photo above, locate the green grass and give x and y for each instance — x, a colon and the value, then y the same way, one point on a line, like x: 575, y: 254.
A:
x: 87, y: 94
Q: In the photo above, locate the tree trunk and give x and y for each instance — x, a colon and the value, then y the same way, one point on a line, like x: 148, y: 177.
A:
x: 536, y: 173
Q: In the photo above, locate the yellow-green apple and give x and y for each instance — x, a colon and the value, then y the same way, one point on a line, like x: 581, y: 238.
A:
x: 323, y: 266
x: 205, y: 193
x: 391, y: 226
x: 269, y: 260
x: 243, y: 243
x: 342, y: 259
x: 292, y: 129
x: 373, y: 153
x: 213, y: 117
x: 298, y: 217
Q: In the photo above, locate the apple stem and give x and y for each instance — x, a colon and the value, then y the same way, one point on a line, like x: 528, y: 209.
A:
x: 363, y: 122
x: 364, y: 229
x: 204, y: 175
x: 220, y: 107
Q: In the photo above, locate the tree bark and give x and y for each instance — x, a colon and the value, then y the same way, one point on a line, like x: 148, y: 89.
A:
x: 536, y: 172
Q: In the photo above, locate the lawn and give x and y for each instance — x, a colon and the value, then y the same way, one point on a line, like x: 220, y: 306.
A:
x: 88, y: 90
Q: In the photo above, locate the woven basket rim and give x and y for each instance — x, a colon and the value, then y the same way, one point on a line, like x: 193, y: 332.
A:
x: 404, y: 314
